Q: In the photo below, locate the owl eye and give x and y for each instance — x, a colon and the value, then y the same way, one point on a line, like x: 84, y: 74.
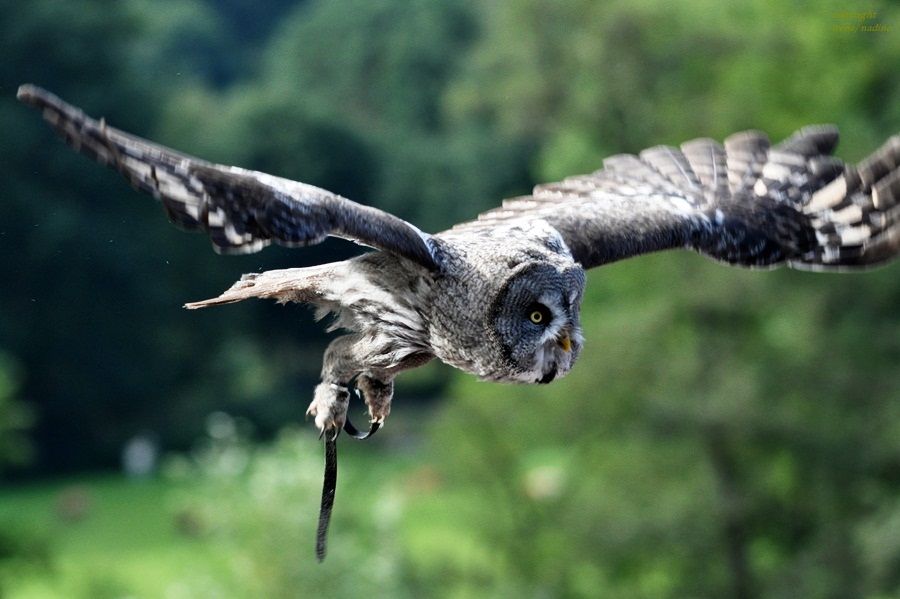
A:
x: 539, y: 314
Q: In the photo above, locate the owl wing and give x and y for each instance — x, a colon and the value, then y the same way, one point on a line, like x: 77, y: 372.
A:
x: 241, y: 210
x: 744, y: 203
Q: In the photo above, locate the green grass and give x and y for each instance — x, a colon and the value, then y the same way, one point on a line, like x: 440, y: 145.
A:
x: 106, y: 536
x: 119, y: 539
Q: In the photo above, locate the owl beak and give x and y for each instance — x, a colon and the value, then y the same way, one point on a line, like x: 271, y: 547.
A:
x: 564, y: 342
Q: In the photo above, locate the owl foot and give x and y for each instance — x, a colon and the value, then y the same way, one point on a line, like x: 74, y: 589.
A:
x: 329, y: 406
x: 378, y: 395
x: 330, y: 403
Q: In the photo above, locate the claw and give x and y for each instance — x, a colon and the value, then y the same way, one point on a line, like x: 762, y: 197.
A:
x: 377, y: 393
x: 332, y: 427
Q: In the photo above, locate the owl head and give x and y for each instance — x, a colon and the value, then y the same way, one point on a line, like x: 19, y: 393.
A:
x: 507, y: 310
x: 535, y: 321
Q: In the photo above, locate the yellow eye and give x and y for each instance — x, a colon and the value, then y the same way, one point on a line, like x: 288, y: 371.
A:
x: 539, y: 314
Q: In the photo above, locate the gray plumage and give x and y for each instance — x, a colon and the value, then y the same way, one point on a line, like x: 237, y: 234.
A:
x: 499, y: 297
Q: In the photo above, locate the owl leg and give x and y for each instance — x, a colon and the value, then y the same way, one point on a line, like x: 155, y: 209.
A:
x: 344, y: 364
x: 378, y: 393
x: 329, y: 406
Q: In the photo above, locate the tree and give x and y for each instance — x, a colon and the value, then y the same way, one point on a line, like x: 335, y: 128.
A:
x: 100, y: 371
x: 15, y: 417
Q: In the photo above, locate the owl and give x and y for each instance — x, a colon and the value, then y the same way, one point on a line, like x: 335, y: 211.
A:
x: 499, y: 296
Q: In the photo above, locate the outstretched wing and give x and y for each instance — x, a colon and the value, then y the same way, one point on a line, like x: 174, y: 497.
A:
x: 242, y: 210
x: 744, y: 203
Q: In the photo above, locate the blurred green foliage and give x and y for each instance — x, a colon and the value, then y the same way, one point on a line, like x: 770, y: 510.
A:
x: 16, y: 417
x: 259, y: 505
x: 720, y: 447
x: 727, y: 433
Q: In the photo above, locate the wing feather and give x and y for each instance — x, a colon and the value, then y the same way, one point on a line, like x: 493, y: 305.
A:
x: 708, y: 161
x: 745, y: 154
x: 241, y: 210
x: 744, y: 202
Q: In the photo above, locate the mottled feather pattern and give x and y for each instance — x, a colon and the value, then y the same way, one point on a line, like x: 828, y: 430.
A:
x: 708, y: 160
x: 743, y: 202
x: 857, y: 216
x: 674, y: 166
x: 242, y: 210
x: 745, y: 154
x: 499, y: 297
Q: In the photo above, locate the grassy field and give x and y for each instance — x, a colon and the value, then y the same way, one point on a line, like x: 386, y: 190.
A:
x: 236, y: 520
x: 103, y: 536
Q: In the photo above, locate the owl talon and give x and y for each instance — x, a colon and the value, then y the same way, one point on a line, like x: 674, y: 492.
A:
x: 378, y: 394
x: 336, y: 430
x: 329, y: 407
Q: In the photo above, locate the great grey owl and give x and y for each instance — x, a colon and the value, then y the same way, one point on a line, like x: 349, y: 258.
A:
x: 499, y: 297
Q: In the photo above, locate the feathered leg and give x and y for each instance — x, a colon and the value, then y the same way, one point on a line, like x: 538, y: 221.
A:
x: 364, y: 359
x: 344, y: 364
